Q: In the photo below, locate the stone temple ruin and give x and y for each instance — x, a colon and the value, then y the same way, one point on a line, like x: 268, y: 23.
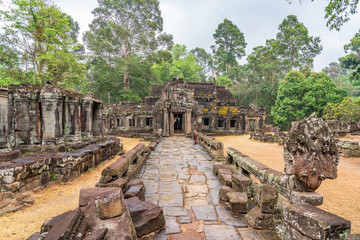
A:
x: 180, y: 107
x: 48, y: 132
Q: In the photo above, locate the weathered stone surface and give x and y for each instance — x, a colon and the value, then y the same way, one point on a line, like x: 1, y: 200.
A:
x: 225, y: 178
x: 258, y: 220
x: 9, y: 155
x: 171, y: 226
x: 224, y: 190
x: 134, y: 182
x: 35, y: 236
x: 216, y: 232
x: 171, y: 200
x: 89, y: 195
x: 118, y: 168
x: 136, y: 191
x: 109, y: 206
x: 225, y: 216
x: 238, y: 202
x: 217, y: 166
x: 175, y: 211
x: 186, y: 236
x: 249, y: 235
x: 206, y: 212
x: 310, y: 153
x: 315, y: 223
x: 9, y: 210
x: 240, y: 183
x: 97, y: 235
x: 183, y: 220
x: 268, y: 198
x: 286, y: 232
x: 313, y: 198
x: 146, y: 216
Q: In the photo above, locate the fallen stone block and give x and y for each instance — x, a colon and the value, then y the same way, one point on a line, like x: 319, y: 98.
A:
x: 134, y: 182
x: 152, y: 146
x: 224, y: 190
x: 136, y: 191
x: 258, y: 220
x: 147, y: 217
x: 316, y: 223
x: 238, y: 202
x: 118, y: 168
x: 35, y: 236
x: 109, y: 206
x: 9, y: 210
x: 89, y: 195
x: 268, y: 198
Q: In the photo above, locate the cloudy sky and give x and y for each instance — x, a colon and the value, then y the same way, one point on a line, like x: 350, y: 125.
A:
x: 193, y: 22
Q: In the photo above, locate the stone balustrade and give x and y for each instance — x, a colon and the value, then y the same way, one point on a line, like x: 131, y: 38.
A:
x: 213, y: 146
x: 36, y: 170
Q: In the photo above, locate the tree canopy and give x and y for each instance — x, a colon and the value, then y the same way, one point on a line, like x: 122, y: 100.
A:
x: 298, y: 96
x: 38, y: 44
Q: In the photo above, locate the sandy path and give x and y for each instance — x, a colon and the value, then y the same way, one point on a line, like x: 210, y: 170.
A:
x: 52, y: 201
x: 341, y: 195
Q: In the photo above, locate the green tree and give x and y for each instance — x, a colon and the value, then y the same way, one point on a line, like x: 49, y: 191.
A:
x: 126, y: 30
x: 352, y: 60
x: 223, y: 80
x: 205, y: 60
x: 299, y: 96
x: 229, y: 46
x: 338, y: 12
x: 183, y: 65
x: 37, y: 45
x: 348, y: 110
x: 294, y: 47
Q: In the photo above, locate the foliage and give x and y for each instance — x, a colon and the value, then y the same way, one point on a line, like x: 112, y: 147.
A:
x: 183, y: 64
x: 205, y: 60
x: 124, y: 29
x: 229, y: 45
x: 293, y: 45
x: 298, y: 96
x: 223, y: 80
x: 37, y: 44
x: 348, y: 110
x: 352, y: 60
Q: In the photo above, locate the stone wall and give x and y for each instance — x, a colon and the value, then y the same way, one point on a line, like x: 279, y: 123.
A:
x: 36, y: 170
x: 214, y: 147
x: 45, y: 117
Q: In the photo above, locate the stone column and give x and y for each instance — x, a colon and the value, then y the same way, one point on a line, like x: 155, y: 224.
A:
x: 51, y: 113
x: 97, y: 119
x: 247, y: 125
x: 86, y: 119
x: 72, y: 120
x: 171, y: 123
x: 188, y: 122
x: 3, y: 117
x: 166, y: 123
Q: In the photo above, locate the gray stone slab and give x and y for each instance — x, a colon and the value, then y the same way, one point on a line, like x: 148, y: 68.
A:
x: 171, y: 200
x: 183, y: 220
x: 174, y: 211
x: 170, y: 187
x: 171, y: 226
x: 197, y: 179
x: 205, y: 212
x: 216, y: 232
x: 153, y: 198
x: 249, y: 234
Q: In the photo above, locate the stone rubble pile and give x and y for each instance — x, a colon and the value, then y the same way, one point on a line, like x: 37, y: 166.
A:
x: 114, y: 210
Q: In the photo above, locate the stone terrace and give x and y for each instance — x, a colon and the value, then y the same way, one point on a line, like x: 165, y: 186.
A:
x: 179, y: 177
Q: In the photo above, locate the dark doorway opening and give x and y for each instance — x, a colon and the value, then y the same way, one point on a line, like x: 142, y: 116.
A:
x: 178, y: 122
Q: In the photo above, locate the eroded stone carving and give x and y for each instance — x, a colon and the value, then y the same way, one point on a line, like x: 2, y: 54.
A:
x: 310, y: 153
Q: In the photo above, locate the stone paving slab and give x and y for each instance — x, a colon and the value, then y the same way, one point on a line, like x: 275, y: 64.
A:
x: 178, y: 176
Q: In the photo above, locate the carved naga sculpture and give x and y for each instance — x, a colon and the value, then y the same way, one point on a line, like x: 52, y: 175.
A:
x: 310, y: 153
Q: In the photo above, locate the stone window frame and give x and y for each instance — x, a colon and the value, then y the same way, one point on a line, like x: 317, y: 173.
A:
x: 222, y: 121
x: 234, y: 123
x: 118, y: 122
x: 149, y: 121
x: 206, y: 123
x: 132, y: 122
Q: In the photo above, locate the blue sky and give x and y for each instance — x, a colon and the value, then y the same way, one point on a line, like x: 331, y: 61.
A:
x: 193, y: 22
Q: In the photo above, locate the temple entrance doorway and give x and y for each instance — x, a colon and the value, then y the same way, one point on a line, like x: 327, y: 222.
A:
x: 178, y: 123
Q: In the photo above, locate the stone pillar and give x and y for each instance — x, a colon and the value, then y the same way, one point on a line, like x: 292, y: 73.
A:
x: 86, y: 119
x: 51, y: 114
x: 247, y: 125
x: 97, y: 119
x: 3, y: 117
x: 72, y: 120
x: 188, y: 129
x: 166, y: 123
x: 171, y: 123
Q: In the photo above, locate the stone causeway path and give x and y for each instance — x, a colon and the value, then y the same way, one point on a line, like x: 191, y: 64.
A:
x: 178, y: 177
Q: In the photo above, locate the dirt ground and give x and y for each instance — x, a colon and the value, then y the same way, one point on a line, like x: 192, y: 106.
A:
x: 355, y: 138
x: 52, y: 201
x: 341, y: 195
